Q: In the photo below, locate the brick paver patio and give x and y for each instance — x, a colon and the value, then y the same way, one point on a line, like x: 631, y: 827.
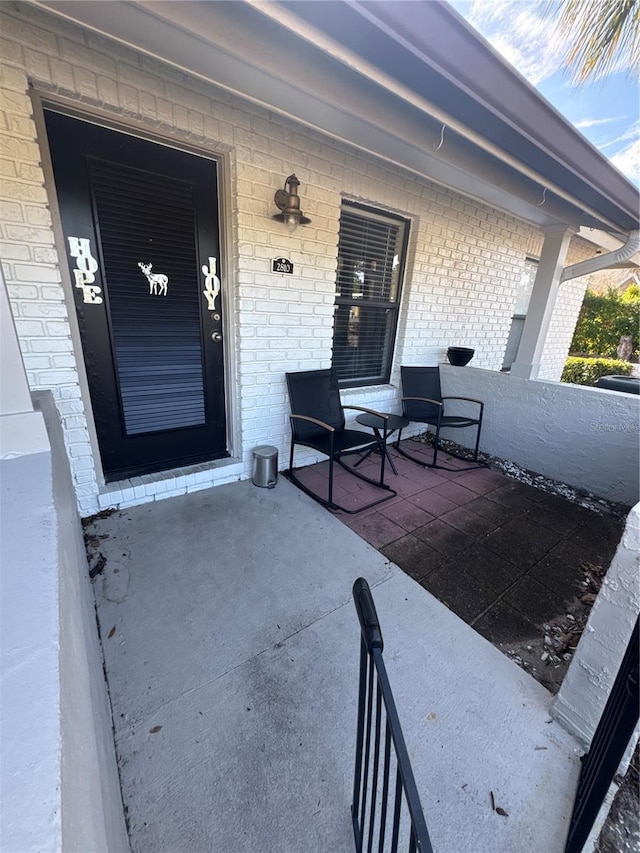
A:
x: 504, y: 556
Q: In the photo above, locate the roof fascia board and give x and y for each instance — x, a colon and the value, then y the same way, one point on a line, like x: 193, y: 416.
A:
x: 519, y: 103
x: 347, y: 33
x: 168, y: 32
x: 360, y: 65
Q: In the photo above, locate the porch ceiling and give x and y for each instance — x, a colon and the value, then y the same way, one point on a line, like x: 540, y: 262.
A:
x: 359, y: 78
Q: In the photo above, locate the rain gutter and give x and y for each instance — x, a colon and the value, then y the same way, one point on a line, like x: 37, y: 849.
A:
x: 624, y: 253
x: 298, y: 18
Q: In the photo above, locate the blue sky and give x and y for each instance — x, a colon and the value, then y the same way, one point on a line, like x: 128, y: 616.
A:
x: 605, y: 111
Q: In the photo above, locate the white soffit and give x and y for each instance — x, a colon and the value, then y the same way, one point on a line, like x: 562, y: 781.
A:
x: 238, y: 49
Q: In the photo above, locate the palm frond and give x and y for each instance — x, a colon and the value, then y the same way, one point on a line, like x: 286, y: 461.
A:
x: 600, y: 34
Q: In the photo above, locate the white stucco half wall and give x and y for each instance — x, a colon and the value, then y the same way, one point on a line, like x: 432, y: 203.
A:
x: 30, y: 777
x: 92, y: 812
x: 588, y: 682
x: 59, y: 786
x: 585, y: 437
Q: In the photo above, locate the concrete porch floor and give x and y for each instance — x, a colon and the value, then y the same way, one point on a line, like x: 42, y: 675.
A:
x: 231, y: 646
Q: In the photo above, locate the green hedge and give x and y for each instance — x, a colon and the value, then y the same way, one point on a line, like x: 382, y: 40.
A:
x: 603, y: 319
x: 587, y: 371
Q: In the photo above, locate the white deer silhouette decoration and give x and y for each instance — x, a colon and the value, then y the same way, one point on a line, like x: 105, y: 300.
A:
x: 157, y: 281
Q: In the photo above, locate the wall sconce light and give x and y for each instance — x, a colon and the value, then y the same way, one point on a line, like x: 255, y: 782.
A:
x: 289, y: 203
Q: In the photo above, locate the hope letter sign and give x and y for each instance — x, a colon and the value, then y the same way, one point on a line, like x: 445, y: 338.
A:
x: 86, y: 265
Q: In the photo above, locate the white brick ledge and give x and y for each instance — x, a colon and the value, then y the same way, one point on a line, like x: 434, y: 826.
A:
x: 169, y: 484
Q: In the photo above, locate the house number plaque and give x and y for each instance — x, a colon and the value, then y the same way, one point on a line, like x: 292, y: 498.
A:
x: 282, y: 265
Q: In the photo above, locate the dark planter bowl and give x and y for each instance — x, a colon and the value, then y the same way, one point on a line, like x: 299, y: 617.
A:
x: 459, y: 356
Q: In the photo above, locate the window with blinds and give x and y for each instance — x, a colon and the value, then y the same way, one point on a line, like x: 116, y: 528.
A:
x: 371, y: 257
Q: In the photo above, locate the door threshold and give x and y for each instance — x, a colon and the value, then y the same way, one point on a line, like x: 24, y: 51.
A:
x: 168, y: 484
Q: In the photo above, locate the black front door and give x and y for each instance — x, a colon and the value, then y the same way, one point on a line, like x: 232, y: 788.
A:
x: 140, y: 223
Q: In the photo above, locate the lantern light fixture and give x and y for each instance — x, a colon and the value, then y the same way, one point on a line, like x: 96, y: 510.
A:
x: 288, y: 201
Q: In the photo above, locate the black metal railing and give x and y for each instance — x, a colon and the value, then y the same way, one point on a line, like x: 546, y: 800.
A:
x: 386, y: 810
x: 610, y: 741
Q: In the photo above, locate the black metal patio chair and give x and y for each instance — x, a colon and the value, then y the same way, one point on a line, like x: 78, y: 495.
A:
x: 317, y: 421
x: 422, y: 402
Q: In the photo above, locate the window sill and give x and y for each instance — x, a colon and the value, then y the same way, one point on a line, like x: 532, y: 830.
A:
x: 368, y: 390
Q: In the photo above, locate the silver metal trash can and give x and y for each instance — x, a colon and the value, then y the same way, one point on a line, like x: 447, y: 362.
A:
x: 265, y: 466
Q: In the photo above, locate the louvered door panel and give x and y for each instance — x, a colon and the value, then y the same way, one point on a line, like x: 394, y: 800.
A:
x: 147, y: 218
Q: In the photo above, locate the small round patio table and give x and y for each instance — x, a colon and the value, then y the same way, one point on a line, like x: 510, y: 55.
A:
x: 383, y: 428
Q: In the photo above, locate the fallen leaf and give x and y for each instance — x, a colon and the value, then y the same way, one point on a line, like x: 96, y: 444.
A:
x: 111, y: 633
x: 493, y: 801
x: 98, y: 567
x: 501, y: 812
x: 431, y: 716
x: 154, y: 730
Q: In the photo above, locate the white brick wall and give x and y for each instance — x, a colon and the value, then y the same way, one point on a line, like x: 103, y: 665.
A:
x: 464, y: 265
